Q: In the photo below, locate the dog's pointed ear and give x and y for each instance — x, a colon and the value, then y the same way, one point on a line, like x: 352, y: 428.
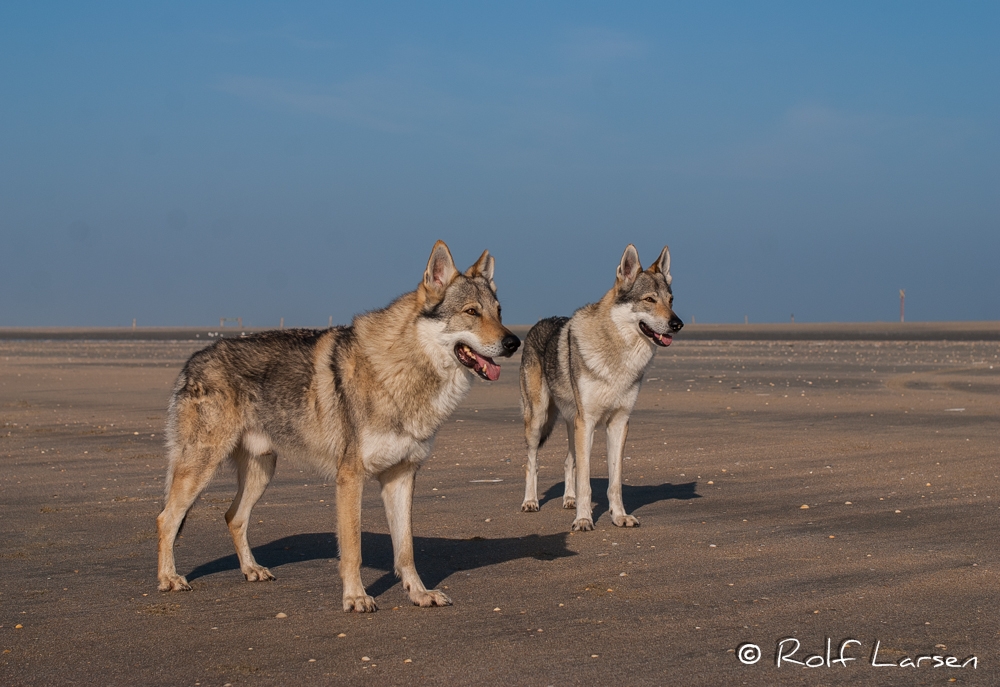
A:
x: 662, y: 264
x: 629, y: 268
x: 440, y: 271
x: 483, y: 268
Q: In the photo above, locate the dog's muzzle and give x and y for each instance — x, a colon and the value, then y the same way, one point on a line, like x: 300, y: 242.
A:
x: 510, y: 344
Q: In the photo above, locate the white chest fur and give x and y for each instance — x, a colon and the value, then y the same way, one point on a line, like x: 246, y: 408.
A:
x: 381, y: 448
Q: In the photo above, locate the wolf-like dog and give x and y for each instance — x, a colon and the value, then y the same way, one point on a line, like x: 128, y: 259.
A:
x: 355, y: 402
x: 587, y: 369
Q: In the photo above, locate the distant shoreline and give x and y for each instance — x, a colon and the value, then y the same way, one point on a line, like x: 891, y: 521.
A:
x: 827, y: 331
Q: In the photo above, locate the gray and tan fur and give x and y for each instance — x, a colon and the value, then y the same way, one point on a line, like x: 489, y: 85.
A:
x: 587, y: 369
x: 354, y: 402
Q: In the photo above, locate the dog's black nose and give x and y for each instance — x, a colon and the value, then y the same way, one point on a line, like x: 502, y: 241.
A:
x: 675, y: 324
x: 510, y: 343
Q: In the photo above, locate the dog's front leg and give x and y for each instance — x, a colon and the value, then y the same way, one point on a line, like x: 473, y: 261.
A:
x: 350, y: 484
x: 583, y: 430
x: 617, y: 432
x: 530, y: 503
x: 397, y: 495
x: 569, y: 471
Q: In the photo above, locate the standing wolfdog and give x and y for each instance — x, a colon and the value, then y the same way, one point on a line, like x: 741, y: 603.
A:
x: 588, y: 369
x: 357, y: 401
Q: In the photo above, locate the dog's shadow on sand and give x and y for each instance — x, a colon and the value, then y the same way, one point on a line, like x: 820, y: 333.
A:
x: 437, y: 558
x: 634, y: 497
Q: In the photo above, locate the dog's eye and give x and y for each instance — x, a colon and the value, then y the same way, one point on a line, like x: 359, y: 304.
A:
x: 649, y: 299
x: 472, y: 311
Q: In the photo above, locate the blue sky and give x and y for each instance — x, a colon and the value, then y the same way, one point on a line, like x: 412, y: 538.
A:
x: 182, y: 163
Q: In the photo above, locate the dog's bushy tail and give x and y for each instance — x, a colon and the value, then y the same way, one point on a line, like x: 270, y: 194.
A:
x: 550, y: 423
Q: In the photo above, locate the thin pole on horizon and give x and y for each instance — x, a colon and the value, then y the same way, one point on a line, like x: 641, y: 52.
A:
x: 902, y: 302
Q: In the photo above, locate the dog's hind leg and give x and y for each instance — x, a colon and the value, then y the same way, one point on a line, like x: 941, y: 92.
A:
x: 397, y: 495
x: 569, y: 475
x: 539, y: 419
x: 540, y: 415
x: 350, y: 484
x: 253, y: 475
x: 190, y: 471
x: 617, y: 432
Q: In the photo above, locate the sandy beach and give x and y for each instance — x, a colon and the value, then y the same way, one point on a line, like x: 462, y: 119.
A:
x: 835, y: 483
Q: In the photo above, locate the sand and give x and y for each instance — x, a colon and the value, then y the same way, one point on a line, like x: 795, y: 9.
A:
x: 892, y: 445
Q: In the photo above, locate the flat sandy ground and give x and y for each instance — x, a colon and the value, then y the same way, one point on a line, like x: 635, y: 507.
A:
x: 893, y: 446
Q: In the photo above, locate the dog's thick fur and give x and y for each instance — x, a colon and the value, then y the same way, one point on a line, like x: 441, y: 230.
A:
x: 587, y: 369
x: 355, y: 402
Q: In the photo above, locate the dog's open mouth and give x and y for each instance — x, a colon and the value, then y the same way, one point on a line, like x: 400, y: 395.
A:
x: 483, y: 366
x: 659, y: 339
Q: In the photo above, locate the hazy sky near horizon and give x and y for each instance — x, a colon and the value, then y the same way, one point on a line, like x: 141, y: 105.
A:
x: 183, y: 162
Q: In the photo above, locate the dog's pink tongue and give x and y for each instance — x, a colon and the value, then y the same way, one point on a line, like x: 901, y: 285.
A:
x: 491, y: 368
x: 664, y: 339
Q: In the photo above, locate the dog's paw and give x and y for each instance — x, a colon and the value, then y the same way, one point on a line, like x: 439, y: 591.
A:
x: 625, y: 521
x: 583, y: 525
x: 174, y: 583
x: 569, y: 502
x: 429, y: 597
x: 258, y: 573
x: 360, y: 604
x: 529, y: 506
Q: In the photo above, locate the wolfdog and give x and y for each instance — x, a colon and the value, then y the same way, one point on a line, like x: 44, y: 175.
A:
x: 587, y: 369
x: 354, y: 402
